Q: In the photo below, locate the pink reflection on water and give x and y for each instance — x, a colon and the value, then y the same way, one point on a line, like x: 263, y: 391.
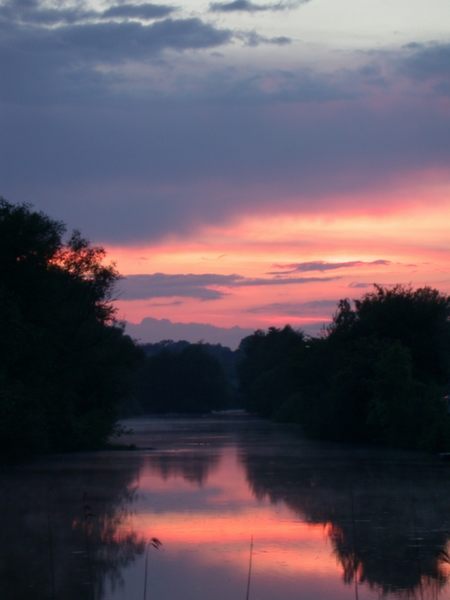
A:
x: 197, y: 500
x: 213, y: 529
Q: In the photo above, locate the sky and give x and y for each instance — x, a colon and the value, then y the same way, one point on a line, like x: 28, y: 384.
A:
x: 247, y: 163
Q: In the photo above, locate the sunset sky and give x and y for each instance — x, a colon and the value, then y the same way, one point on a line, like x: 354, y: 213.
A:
x: 245, y: 163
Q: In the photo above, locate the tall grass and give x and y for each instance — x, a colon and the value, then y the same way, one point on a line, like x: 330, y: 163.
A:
x: 152, y: 543
x: 247, y: 597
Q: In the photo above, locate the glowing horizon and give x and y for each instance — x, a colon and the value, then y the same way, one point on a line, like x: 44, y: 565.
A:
x: 409, y: 247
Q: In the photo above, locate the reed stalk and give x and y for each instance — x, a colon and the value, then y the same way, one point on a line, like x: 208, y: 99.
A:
x: 249, y: 578
x: 156, y: 544
x: 51, y: 557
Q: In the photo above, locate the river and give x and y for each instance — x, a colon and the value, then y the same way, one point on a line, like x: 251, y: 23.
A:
x: 225, y: 508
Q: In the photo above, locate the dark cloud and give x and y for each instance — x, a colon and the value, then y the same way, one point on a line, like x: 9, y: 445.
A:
x: 426, y: 61
x: 163, y: 164
x: 265, y: 88
x: 139, y: 11
x: 102, y: 128
x: 63, y: 64
x: 33, y: 12
x: 161, y: 285
x: 322, y: 265
x: 51, y: 64
x: 247, y: 6
x: 296, y: 309
x: 154, y: 330
x: 117, y: 42
x: 251, y: 38
x: 256, y: 282
x: 88, y: 43
x: 360, y: 285
x: 169, y: 303
x: 237, y: 6
x: 202, y: 286
x: 426, y: 64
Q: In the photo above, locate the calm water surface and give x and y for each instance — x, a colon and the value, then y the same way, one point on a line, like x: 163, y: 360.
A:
x: 327, y: 521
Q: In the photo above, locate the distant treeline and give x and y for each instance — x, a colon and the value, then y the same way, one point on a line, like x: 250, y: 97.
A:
x: 185, y: 378
x: 378, y: 374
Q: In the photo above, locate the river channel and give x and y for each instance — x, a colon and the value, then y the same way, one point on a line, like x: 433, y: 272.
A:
x: 225, y: 508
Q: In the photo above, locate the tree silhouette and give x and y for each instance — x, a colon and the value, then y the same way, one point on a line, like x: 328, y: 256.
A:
x: 64, y: 360
x: 378, y: 374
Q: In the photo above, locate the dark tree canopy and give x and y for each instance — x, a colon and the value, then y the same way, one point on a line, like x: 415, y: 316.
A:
x: 187, y: 379
x: 417, y: 319
x: 379, y: 374
x: 64, y: 361
x: 269, y: 369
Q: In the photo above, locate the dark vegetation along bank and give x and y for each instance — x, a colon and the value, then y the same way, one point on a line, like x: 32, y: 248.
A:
x: 378, y: 374
x: 64, y: 362
x: 185, y: 378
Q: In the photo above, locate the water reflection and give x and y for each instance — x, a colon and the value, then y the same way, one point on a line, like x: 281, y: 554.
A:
x: 386, y: 514
x: 65, y: 528
x: 328, y: 522
x: 193, y: 466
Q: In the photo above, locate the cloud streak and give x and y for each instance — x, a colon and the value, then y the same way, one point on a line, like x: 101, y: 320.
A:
x: 246, y: 6
x: 253, y: 39
x: 322, y: 265
x: 116, y: 42
x: 32, y: 12
x: 295, y: 309
x: 161, y: 285
x: 139, y: 11
x: 206, y: 286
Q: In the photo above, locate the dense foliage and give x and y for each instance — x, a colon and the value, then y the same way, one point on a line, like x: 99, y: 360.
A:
x: 182, y: 377
x: 269, y: 373
x: 226, y: 357
x: 64, y: 362
x: 379, y: 373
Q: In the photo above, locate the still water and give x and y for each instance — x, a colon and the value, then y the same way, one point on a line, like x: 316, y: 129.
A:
x: 328, y: 522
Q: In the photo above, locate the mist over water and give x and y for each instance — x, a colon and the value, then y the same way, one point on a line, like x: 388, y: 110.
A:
x: 327, y: 521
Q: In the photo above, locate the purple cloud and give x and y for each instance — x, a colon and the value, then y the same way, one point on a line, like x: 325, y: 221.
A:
x: 360, y: 285
x: 296, y: 309
x: 426, y: 61
x: 247, y: 6
x: 139, y: 11
x: 165, y: 148
x: 161, y: 285
x: 202, y: 286
x: 251, y: 38
x: 321, y: 265
x: 33, y: 12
